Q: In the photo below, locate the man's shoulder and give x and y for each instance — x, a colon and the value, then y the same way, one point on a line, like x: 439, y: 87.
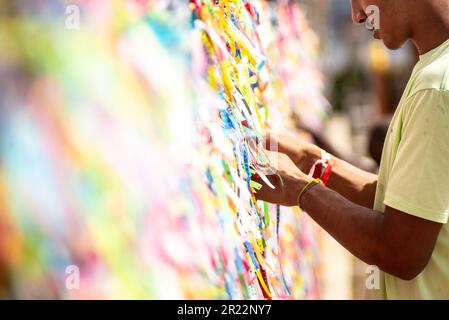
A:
x: 434, y: 75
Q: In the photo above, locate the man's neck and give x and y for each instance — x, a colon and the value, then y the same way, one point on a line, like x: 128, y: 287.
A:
x: 431, y: 29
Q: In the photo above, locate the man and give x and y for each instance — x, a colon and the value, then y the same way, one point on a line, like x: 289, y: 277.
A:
x: 396, y: 220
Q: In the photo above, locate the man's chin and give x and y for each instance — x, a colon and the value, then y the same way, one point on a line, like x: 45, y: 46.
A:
x: 388, y: 42
x: 392, y: 45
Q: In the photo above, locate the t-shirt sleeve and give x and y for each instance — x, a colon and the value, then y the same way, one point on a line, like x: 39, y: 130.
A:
x: 419, y: 180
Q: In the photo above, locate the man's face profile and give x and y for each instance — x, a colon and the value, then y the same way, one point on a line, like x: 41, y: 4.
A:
x: 388, y: 20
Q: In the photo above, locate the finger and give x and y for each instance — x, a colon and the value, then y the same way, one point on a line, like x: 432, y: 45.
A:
x: 277, y: 142
x: 271, y: 140
x: 266, y: 193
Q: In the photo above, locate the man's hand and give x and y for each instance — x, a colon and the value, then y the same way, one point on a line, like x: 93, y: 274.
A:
x: 289, y: 180
x: 303, y: 154
x: 351, y: 182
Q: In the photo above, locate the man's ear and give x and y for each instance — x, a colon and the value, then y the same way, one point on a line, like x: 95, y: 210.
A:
x: 358, y: 12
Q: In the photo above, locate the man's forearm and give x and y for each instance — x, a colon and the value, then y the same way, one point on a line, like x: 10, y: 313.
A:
x: 353, y: 183
x: 360, y: 230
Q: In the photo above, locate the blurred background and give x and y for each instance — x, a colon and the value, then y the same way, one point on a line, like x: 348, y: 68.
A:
x: 84, y: 114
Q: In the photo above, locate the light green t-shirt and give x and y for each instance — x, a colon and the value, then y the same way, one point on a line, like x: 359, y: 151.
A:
x: 414, y: 172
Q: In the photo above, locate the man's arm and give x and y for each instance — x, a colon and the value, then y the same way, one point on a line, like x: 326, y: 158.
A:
x: 398, y: 243
x: 351, y: 182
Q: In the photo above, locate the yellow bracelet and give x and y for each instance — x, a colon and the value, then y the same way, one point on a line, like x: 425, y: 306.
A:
x: 306, y: 188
